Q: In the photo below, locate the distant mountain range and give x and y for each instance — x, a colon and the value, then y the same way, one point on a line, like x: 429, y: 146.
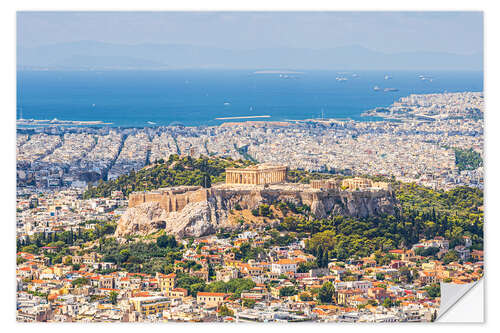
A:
x: 91, y: 55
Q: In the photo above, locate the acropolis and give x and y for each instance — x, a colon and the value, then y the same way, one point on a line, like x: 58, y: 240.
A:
x: 257, y: 174
x: 172, y: 199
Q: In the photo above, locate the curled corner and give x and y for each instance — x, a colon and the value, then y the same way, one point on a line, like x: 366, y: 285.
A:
x: 451, y: 295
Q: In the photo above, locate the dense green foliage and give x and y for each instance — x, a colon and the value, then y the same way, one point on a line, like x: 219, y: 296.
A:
x: 467, y: 159
x: 224, y: 311
x: 175, y: 171
x: 249, y: 303
x: 113, y: 297
x: 423, y: 213
x: 278, y: 239
x: 79, y: 281
x: 139, y: 256
x: 286, y: 207
x: 263, y: 210
x: 326, y: 292
x: 426, y: 252
x: 61, y: 241
x: 165, y: 241
x: 434, y: 290
x: 305, y: 267
x: 246, y: 252
x: 234, y: 286
x: 191, y: 283
x: 194, y: 285
x: 288, y: 291
x: 450, y: 256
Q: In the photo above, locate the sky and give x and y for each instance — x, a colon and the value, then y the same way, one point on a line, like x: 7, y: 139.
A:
x: 389, y: 32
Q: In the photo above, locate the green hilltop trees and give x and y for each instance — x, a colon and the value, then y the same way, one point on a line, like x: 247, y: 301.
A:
x: 175, y: 171
x: 467, y: 159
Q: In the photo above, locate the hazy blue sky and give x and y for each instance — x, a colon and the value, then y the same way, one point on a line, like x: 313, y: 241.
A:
x: 455, y: 32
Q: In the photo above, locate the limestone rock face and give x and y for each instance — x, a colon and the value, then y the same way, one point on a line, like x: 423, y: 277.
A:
x: 141, y: 220
x: 206, y: 217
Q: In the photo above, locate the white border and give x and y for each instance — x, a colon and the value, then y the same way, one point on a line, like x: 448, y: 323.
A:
x: 7, y: 133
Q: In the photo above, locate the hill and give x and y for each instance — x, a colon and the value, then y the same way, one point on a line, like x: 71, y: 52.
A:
x: 93, y: 55
x: 175, y: 171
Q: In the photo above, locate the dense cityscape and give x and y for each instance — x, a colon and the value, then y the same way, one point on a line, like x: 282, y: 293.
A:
x: 280, y: 262
x: 413, y: 150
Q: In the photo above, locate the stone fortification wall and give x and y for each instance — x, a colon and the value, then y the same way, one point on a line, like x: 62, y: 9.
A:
x: 172, y: 199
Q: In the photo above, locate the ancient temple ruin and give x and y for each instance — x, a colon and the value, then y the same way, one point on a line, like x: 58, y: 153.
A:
x: 257, y: 174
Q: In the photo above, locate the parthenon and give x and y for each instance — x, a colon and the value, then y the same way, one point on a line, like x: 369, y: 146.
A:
x: 256, y: 174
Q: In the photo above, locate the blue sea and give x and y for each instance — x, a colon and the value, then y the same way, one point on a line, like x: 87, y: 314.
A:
x: 197, y: 97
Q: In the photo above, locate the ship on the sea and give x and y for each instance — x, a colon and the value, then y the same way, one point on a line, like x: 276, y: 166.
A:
x: 391, y: 89
x: 376, y: 88
x: 425, y: 77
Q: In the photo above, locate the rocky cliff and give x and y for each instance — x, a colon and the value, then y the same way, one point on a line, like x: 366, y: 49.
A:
x: 202, y: 218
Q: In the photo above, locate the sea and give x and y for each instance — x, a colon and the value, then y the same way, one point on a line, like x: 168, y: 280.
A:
x: 198, y: 97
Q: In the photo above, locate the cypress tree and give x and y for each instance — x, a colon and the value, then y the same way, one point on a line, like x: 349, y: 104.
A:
x: 325, y: 260
x: 319, y: 255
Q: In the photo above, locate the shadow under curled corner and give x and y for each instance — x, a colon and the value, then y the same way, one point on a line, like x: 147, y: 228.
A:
x: 462, y: 302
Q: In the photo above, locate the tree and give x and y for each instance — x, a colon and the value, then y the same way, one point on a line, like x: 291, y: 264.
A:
x: 288, y: 291
x: 113, y: 297
x: 20, y: 260
x: 434, y: 290
x: 30, y: 249
x: 387, y: 303
x: 405, y: 274
x: 450, y: 256
x: 319, y: 256
x: 124, y: 255
x: 304, y: 297
x: 211, y: 271
x: 249, y: 303
x: 305, y: 267
x: 434, y: 316
x: 165, y: 241
x: 326, y: 292
x: 264, y: 210
x: 224, y: 311
x: 68, y: 261
x: 426, y: 252
x: 324, y: 260
x: 79, y: 282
